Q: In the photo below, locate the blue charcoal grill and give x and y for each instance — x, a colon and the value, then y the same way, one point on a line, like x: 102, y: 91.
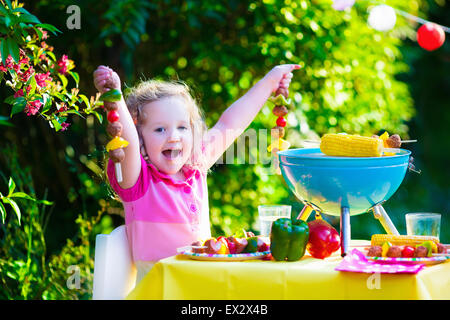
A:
x: 343, y: 186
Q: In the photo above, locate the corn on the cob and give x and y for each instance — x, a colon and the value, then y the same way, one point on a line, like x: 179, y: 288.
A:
x: 402, y: 240
x: 346, y: 145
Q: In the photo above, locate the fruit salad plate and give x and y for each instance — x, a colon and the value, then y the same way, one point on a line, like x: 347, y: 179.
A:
x: 425, y: 261
x: 224, y: 257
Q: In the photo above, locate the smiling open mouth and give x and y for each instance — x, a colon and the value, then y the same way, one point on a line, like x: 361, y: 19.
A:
x: 172, y: 154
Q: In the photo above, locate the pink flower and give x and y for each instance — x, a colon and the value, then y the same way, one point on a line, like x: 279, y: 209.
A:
x: 44, y: 33
x: 43, y: 57
x: 33, y: 107
x: 27, y: 74
x: 16, y: 67
x: 63, y: 64
x: 3, y: 68
x: 62, y: 108
x: 19, y: 93
x: 9, y: 62
x: 42, y: 78
x: 24, y: 60
x: 64, y: 126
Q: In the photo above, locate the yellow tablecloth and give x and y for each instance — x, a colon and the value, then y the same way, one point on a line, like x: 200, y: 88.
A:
x: 181, y: 278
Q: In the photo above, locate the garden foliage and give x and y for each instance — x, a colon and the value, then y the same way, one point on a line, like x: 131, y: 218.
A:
x: 349, y: 81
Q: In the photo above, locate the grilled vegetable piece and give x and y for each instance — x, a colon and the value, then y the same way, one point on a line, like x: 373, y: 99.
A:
x: 347, y: 145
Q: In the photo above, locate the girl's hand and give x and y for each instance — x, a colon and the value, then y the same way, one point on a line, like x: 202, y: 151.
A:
x: 105, y: 79
x: 280, y: 76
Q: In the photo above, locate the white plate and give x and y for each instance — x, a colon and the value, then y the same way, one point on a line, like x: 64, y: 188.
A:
x: 426, y: 261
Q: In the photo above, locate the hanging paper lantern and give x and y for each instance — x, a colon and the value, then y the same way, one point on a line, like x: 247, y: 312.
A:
x: 382, y: 18
x: 341, y: 5
x: 430, y: 36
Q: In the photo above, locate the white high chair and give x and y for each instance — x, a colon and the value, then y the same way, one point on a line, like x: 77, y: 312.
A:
x: 114, y: 270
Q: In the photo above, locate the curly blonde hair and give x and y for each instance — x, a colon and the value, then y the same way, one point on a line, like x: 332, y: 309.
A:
x: 152, y: 90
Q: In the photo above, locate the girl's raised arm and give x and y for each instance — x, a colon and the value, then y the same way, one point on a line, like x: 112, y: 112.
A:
x: 106, y: 79
x: 241, y: 113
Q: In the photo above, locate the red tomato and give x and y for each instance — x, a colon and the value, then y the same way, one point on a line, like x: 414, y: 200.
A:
x: 281, y: 122
x: 408, y: 252
x: 113, y: 116
x: 263, y: 247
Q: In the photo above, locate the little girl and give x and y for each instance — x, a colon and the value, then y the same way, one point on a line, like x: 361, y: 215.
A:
x: 163, y: 187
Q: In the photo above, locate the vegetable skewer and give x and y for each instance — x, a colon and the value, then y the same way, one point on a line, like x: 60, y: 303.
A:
x: 114, y: 129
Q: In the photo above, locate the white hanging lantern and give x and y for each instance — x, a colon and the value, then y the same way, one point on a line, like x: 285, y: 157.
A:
x: 382, y: 18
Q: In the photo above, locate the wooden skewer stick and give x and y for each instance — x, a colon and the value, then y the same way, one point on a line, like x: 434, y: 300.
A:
x: 311, y: 141
x: 393, y: 150
x: 318, y: 142
x: 118, y: 169
x: 188, y: 248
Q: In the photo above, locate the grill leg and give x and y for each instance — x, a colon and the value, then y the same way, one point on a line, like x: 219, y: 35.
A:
x: 345, y: 230
x: 380, y: 214
x: 305, y: 213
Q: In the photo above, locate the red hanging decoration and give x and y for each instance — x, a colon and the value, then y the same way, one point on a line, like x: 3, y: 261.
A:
x: 430, y: 36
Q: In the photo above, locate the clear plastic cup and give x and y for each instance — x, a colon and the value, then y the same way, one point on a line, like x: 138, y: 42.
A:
x: 423, y: 224
x: 268, y: 214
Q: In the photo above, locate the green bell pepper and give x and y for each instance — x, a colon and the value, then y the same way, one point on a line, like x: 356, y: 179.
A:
x: 252, y: 245
x: 288, y: 239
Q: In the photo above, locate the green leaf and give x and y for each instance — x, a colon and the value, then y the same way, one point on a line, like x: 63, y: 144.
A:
x: 45, y: 202
x: 27, y: 17
x: 21, y: 10
x: 56, y: 125
x: 48, y: 27
x: 22, y: 195
x: 3, y: 212
x: 9, y: 21
x: 63, y: 79
x: 85, y: 100
x: 3, y: 28
x: 15, y: 207
x: 24, y: 31
x: 4, y: 10
x: 47, y: 101
x: 75, y: 112
x: 10, y: 99
x: 11, y: 186
x: 39, y: 33
x: 8, y: 2
x: 51, y: 55
x: 13, y: 49
x: 99, y: 116
x: 4, y: 50
x: 4, y: 122
x: 33, y: 84
x: 18, y: 106
x: 75, y: 77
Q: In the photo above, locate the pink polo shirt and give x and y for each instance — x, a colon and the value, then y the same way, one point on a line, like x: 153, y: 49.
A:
x: 162, y: 214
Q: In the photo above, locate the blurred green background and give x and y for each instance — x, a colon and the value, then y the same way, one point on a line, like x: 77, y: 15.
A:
x: 353, y: 79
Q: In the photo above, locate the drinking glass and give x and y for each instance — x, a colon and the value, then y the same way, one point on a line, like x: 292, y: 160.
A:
x: 269, y: 213
x: 423, y: 224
